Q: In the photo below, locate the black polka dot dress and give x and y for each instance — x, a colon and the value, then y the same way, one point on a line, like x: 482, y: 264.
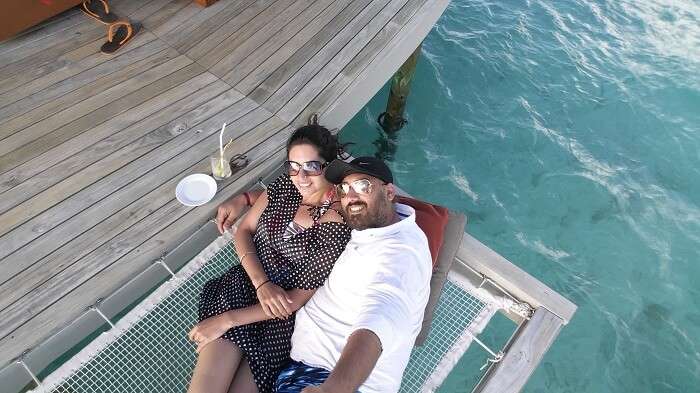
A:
x: 303, y: 261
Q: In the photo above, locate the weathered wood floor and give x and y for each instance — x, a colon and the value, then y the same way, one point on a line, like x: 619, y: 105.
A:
x: 92, y: 146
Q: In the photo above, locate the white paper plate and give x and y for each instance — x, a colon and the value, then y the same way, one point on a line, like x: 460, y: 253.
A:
x: 195, y: 190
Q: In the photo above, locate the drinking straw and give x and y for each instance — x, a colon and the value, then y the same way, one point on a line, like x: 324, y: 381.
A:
x: 221, y: 145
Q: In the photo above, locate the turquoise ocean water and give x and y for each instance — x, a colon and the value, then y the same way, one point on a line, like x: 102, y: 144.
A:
x: 569, y: 133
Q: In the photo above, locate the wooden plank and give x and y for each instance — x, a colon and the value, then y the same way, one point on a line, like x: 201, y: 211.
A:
x: 75, y: 274
x: 523, y: 354
x: 350, y: 20
x: 210, y: 18
x: 77, y: 61
x: 262, y: 35
x: 49, y: 27
x: 242, y: 34
x: 217, y: 25
x: 67, y: 208
x: 50, y: 76
x: 41, y: 38
x: 19, y: 174
x: 127, y: 8
x: 148, y: 9
x: 227, y: 30
x: 47, y: 198
x: 169, y: 121
x: 304, y: 44
x: 365, y: 85
x: 59, y: 45
x: 75, y: 82
x: 357, y: 65
x: 102, y: 85
x: 31, y: 73
x: 111, y: 278
x: 274, y: 94
x: 64, y: 60
x: 15, y: 378
x: 34, y: 147
x: 166, y: 13
x: 87, y: 102
x: 178, y: 19
x: 290, y: 105
x: 26, y: 180
x: 513, y: 279
x: 279, y: 50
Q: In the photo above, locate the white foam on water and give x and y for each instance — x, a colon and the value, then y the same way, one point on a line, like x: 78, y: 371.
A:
x: 539, y: 247
x: 460, y: 181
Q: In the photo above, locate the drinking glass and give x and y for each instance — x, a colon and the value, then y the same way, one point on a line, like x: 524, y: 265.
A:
x: 220, y: 167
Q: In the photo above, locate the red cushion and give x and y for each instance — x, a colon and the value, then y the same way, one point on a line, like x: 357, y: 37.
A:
x: 432, y: 220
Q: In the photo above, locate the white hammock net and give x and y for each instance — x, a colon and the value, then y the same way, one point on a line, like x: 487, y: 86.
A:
x: 147, y: 350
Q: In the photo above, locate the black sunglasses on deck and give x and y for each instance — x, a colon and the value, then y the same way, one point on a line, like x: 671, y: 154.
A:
x: 311, y: 168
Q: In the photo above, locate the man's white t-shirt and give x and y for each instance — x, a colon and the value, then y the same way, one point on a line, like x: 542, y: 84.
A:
x: 381, y: 283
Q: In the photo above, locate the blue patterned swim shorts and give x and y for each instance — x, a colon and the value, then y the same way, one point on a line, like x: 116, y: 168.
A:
x: 296, y: 376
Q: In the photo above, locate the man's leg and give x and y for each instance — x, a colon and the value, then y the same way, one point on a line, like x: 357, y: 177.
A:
x: 216, y: 366
x: 296, y: 376
x: 243, y: 381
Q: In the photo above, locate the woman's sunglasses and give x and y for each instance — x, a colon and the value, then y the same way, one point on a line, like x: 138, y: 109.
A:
x: 360, y: 186
x: 311, y: 168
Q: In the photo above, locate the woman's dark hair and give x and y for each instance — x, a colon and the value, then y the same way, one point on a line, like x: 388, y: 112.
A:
x: 318, y: 136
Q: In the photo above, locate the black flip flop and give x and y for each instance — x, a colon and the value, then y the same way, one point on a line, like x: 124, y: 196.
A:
x: 118, y: 35
x: 99, y: 10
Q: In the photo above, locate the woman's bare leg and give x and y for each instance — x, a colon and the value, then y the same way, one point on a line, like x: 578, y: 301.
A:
x: 243, y: 381
x: 216, y: 367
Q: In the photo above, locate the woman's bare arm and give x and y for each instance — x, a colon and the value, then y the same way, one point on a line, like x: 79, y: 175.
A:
x: 244, y: 242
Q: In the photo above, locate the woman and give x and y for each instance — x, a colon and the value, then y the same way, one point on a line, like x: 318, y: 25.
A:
x: 287, y: 245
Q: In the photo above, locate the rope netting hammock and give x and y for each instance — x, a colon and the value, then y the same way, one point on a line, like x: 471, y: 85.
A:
x: 147, y: 349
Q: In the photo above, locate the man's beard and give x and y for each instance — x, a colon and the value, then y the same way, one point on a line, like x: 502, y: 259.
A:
x: 367, y: 218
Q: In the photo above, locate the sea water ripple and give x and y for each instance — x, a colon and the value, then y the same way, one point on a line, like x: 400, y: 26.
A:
x: 569, y: 133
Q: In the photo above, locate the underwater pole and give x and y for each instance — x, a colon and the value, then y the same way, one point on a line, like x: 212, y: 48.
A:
x: 392, y: 119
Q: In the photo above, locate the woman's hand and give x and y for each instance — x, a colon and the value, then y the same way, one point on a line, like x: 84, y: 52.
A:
x: 229, y: 211
x: 274, y: 300
x: 209, y: 330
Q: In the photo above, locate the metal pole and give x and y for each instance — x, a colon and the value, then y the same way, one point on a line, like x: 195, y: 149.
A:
x: 392, y: 120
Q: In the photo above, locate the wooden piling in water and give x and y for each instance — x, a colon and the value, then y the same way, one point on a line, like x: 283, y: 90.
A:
x: 392, y: 119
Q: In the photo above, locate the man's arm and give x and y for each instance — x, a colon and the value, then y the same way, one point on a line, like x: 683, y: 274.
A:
x: 232, y: 208
x: 386, y: 317
x: 355, y: 364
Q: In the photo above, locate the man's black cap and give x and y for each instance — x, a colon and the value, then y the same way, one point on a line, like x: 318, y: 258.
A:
x: 338, y: 169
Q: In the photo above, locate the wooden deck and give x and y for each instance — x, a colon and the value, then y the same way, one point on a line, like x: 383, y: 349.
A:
x: 92, y: 146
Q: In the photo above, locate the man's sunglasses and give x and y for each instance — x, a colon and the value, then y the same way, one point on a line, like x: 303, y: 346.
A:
x: 311, y: 168
x: 360, y: 186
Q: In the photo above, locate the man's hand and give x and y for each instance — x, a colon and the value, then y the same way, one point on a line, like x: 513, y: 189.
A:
x: 229, y: 211
x: 355, y: 364
x: 274, y: 301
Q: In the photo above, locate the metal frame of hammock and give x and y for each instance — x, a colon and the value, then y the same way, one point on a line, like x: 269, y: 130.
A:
x: 146, y: 348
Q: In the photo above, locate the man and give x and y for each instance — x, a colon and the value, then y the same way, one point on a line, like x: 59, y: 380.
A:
x: 357, y: 331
